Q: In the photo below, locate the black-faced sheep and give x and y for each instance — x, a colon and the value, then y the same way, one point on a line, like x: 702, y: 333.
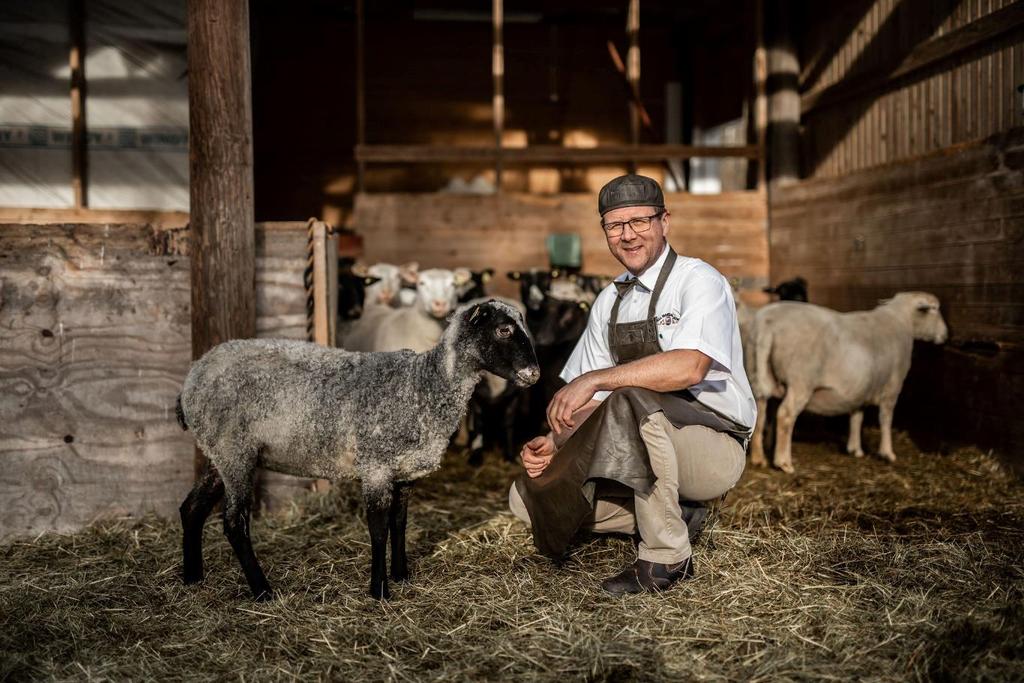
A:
x: 298, y: 408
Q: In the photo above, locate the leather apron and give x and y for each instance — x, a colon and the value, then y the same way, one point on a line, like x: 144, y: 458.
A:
x: 609, y: 445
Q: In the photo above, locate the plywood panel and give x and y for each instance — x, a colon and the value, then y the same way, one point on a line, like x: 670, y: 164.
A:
x: 94, y: 344
x: 507, y: 232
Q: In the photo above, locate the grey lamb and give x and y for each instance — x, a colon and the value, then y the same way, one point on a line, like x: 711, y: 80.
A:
x: 295, y: 407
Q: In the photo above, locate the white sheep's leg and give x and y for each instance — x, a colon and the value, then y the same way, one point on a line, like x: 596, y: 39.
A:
x: 885, y: 410
x: 757, y: 441
x: 237, y: 509
x: 853, y: 446
x: 396, y: 522
x: 790, y: 408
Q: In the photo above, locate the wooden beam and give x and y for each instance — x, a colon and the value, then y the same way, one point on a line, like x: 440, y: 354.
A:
x: 360, y: 93
x: 783, y: 97
x: 927, y: 54
x: 546, y: 154
x: 220, y: 174
x: 30, y: 216
x: 498, y: 73
x: 761, y: 96
x: 633, y: 74
x: 79, y: 159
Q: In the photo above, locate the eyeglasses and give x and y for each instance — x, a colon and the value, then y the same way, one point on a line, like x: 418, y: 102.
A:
x: 639, y: 224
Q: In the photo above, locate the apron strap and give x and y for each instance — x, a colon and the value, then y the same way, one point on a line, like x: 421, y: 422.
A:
x: 666, y: 269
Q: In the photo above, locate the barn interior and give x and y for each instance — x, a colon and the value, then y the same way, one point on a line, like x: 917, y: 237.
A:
x: 158, y: 164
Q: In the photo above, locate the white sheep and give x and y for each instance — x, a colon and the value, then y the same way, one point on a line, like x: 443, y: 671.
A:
x: 832, y: 363
x: 314, y: 411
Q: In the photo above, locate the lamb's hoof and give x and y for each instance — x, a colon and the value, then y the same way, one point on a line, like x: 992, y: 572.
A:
x: 786, y: 467
x: 888, y: 457
x: 400, y: 576
x: 379, y: 591
x: 758, y: 462
x: 191, y: 576
x: 855, y: 452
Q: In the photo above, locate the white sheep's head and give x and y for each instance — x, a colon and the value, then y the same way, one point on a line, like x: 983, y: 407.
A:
x: 437, y: 289
x: 925, y: 317
x: 385, y: 290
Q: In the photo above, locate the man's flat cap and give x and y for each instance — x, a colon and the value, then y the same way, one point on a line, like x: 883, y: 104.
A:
x: 630, y: 190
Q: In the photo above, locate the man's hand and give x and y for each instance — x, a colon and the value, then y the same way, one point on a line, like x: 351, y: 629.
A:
x: 537, y: 454
x: 568, y: 400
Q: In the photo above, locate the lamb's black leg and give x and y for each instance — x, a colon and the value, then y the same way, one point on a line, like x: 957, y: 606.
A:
x: 377, y: 511
x: 510, y: 437
x: 396, y: 519
x: 194, y: 511
x: 236, y: 528
x: 475, y: 433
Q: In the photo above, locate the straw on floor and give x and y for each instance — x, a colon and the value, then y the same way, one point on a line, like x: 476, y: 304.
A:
x: 852, y: 568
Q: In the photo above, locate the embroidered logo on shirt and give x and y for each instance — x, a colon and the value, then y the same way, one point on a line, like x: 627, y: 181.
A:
x: 666, y: 319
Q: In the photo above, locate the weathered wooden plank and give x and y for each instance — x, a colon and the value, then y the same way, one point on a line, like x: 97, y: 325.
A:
x: 94, y: 345
x: 544, y: 154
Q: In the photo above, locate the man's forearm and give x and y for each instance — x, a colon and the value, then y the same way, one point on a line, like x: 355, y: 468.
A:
x: 667, y: 371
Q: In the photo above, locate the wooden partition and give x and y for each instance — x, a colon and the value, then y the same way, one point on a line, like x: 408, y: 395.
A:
x: 508, y: 231
x: 951, y: 223
x: 94, y: 345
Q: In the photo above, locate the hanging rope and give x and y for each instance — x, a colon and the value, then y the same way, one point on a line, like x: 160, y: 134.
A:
x: 307, y: 279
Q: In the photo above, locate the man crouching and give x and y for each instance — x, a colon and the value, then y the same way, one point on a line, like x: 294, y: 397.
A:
x: 657, y: 410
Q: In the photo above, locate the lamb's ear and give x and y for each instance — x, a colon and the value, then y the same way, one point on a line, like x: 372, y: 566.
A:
x: 514, y: 275
x: 462, y: 276
x: 359, y: 269
x: 409, y: 272
x: 486, y: 274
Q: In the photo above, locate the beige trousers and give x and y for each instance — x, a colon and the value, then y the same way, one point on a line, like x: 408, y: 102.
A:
x: 693, y: 463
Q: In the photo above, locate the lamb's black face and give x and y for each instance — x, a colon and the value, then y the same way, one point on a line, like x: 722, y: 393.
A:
x: 504, y: 346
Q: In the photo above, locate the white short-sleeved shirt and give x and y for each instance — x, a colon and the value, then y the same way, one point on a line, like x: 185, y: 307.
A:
x: 695, y: 311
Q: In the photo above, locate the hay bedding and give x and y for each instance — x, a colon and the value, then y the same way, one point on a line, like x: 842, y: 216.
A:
x: 850, y: 569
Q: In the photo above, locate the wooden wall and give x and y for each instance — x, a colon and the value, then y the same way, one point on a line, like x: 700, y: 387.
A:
x: 94, y: 345
x: 507, y: 232
x: 951, y: 223
x: 864, y: 45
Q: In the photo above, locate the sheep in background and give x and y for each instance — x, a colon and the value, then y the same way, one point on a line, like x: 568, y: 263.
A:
x: 790, y: 290
x: 313, y: 411
x: 418, y: 327
x: 832, y: 363
x: 352, y: 283
x: 476, y: 288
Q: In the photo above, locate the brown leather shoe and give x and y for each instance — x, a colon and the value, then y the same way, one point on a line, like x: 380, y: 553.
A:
x: 652, y: 577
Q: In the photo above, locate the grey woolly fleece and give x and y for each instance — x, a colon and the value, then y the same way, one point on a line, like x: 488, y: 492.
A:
x: 303, y: 409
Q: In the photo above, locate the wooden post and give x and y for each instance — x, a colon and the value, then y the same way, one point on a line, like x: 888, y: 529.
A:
x: 633, y: 73
x: 784, y: 97
x: 760, y: 98
x: 498, y: 72
x: 220, y: 175
x: 360, y: 94
x: 79, y: 161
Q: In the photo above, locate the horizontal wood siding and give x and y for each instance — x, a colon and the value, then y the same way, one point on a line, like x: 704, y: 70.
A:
x: 508, y: 232
x: 951, y: 223
x: 94, y: 344
x: 970, y: 96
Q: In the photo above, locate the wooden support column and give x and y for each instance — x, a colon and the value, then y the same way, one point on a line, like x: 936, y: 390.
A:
x: 79, y: 160
x: 760, y: 94
x: 633, y: 73
x: 220, y: 175
x: 498, y: 72
x: 360, y: 94
x: 783, y: 96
